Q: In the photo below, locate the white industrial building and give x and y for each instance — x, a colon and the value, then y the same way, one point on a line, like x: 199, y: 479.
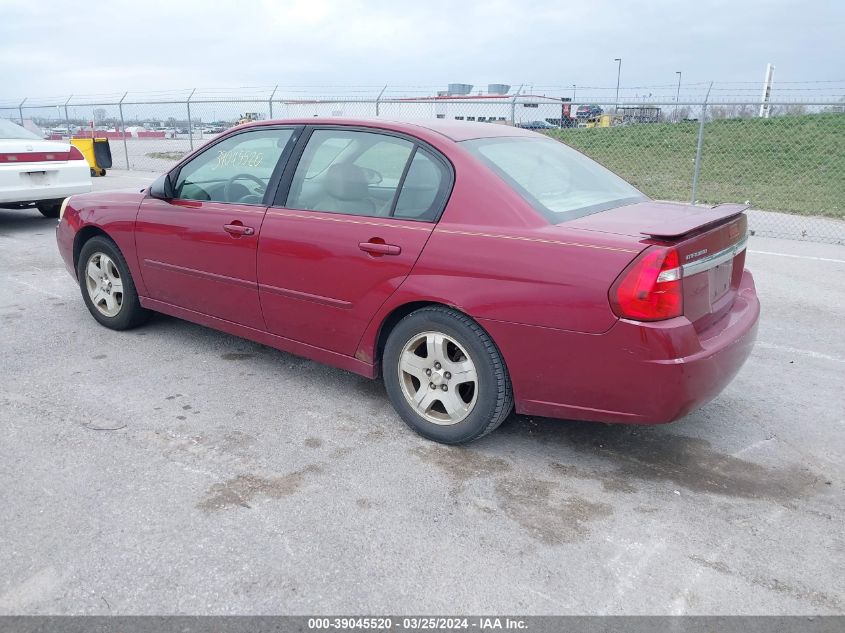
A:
x: 495, y: 106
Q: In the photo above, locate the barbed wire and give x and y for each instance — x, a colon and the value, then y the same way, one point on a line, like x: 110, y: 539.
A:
x: 817, y: 91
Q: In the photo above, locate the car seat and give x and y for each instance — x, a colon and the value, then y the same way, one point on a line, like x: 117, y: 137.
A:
x: 346, y: 190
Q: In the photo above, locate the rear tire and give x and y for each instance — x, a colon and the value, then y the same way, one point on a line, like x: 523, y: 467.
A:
x: 445, y: 376
x: 107, y: 287
x: 49, y: 208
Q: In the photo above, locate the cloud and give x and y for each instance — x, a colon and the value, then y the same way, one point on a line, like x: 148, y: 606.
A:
x: 110, y: 46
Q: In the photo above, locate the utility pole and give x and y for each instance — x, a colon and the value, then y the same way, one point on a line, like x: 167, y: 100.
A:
x: 618, y: 76
x: 677, y: 94
x: 573, y: 93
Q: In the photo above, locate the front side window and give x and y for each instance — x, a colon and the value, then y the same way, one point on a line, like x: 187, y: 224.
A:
x: 559, y: 182
x: 237, y: 170
x: 345, y: 171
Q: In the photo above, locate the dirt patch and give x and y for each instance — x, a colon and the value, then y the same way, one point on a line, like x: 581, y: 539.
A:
x: 537, y: 505
x: 461, y: 464
x: 609, y: 482
x: 313, y: 442
x: 545, y: 514
x: 629, y: 455
x: 241, y: 490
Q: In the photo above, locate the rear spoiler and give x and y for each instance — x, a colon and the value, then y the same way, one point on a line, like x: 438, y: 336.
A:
x: 697, y: 218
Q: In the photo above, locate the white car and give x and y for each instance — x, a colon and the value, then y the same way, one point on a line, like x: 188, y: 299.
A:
x: 39, y: 172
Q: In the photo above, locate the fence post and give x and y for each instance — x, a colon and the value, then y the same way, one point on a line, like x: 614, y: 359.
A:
x: 67, y: 118
x: 123, y: 130
x: 271, y: 100
x: 378, y: 98
x: 513, y: 105
x: 20, y: 109
x: 697, y: 169
x: 190, y: 125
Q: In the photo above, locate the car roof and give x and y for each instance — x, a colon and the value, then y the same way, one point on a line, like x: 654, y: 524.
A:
x: 455, y: 130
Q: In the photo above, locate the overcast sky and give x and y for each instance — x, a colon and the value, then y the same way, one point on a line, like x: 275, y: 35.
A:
x: 56, y: 47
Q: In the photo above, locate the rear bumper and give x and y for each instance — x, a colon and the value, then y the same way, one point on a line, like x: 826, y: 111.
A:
x: 641, y: 373
x: 31, y: 182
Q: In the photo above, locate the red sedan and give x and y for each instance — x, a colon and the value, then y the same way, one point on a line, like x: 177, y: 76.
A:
x: 476, y: 267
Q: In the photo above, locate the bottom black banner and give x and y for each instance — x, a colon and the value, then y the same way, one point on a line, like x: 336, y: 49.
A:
x: 485, y: 624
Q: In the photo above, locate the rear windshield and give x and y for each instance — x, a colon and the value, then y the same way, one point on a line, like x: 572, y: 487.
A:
x: 13, y: 130
x: 557, y: 181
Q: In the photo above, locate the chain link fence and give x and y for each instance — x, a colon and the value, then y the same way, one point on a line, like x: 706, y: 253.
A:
x: 790, y: 166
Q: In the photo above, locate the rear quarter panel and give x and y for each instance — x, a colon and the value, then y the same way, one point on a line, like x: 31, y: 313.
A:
x: 493, y: 257
x: 541, y: 277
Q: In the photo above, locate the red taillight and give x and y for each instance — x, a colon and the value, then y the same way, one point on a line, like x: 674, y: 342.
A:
x: 650, y: 289
x: 74, y: 153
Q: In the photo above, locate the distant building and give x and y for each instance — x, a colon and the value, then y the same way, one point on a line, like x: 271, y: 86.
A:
x: 491, y: 108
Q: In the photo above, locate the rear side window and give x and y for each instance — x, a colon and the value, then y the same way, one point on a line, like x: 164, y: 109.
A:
x: 346, y: 171
x: 559, y: 182
x: 368, y: 173
x: 12, y: 130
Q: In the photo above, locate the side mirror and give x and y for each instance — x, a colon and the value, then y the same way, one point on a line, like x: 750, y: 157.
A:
x: 162, y: 188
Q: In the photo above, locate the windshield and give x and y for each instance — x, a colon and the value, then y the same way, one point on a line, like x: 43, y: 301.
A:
x: 13, y: 130
x: 559, y: 182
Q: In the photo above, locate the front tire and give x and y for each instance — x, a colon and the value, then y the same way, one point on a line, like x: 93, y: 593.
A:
x: 107, y: 286
x: 445, y: 376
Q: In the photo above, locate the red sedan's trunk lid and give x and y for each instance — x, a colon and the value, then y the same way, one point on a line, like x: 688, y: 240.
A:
x: 657, y: 219
x: 710, y: 242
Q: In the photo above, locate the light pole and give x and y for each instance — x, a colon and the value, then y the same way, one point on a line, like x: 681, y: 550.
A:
x: 618, y: 75
x: 677, y: 94
x: 573, y: 93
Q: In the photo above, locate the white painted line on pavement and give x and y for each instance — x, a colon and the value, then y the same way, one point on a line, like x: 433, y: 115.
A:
x: 818, y: 259
x: 39, y: 290
x: 803, y: 352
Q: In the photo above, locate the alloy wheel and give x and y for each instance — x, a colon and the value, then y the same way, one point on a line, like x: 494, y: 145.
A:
x: 438, y: 378
x: 104, y: 285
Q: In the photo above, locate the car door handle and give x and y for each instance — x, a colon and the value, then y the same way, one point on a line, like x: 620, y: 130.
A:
x: 377, y: 249
x: 238, y: 229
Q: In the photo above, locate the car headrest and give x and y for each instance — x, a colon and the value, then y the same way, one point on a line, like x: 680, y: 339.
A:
x: 346, y: 181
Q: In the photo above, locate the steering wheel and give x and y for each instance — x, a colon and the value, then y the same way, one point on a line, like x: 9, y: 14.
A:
x: 227, y: 188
